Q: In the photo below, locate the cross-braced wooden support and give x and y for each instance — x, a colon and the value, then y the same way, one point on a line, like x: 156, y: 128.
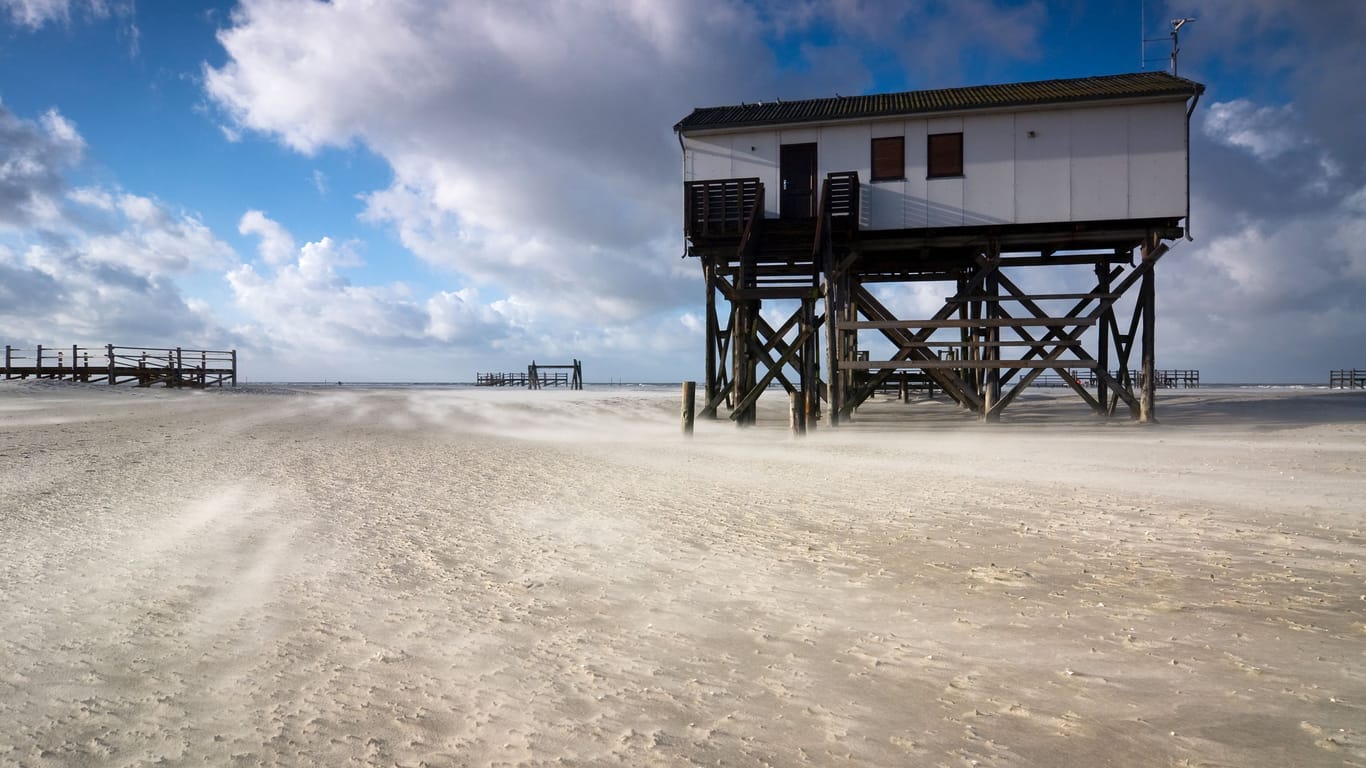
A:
x: 984, y: 346
x: 989, y: 314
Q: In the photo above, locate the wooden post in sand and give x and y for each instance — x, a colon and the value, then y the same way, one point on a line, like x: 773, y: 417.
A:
x: 689, y: 406
x: 1148, y: 304
x: 796, y: 413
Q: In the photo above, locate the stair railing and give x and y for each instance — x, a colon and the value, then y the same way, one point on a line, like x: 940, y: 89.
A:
x: 749, y: 238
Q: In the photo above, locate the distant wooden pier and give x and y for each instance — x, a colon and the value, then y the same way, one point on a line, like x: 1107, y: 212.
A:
x: 143, y: 366
x: 1345, y: 378
x: 536, y: 376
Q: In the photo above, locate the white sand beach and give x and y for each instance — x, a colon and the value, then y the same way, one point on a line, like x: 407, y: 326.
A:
x: 472, y: 577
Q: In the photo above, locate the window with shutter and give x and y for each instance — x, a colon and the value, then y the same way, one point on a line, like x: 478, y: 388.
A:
x: 889, y: 158
x: 945, y: 156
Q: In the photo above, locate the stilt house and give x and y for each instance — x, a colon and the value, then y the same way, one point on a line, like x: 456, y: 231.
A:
x: 804, y: 204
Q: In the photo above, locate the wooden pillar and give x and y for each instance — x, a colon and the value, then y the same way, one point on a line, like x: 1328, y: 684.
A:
x: 1107, y: 323
x: 220, y: 382
x: 1147, y: 295
x: 991, y: 350
x: 109, y: 351
x: 689, y: 406
x: 833, y: 399
x: 848, y: 347
x: 38, y: 363
x: 710, y: 387
x: 742, y: 337
x: 7, y: 361
x: 810, y: 364
x: 75, y: 374
x: 796, y: 413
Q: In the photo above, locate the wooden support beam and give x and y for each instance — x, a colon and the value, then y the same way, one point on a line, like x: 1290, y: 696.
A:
x: 986, y: 322
x: 980, y: 364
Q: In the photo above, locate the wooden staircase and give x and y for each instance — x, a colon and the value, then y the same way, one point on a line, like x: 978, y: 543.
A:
x: 782, y: 262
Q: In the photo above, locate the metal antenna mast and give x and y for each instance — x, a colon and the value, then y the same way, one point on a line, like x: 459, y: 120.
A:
x: 1177, y: 24
x: 1144, y: 41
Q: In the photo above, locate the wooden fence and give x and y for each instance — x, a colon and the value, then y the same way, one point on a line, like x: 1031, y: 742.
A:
x: 113, y: 364
x: 1344, y: 378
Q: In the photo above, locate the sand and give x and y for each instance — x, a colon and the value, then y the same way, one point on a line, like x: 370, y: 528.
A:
x: 460, y: 577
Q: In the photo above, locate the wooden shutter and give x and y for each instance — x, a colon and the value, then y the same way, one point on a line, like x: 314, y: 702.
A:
x: 889, y: 158
x: 945, y: 155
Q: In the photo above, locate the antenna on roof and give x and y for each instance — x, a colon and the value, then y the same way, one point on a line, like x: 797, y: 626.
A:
x: 1144, y: 41
x: 1177, y: 24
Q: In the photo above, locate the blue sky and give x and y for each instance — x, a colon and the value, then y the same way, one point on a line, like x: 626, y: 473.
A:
x: 418, y: 191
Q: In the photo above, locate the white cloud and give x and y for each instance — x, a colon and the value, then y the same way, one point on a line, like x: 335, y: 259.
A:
x: 35, y: 13
x: 92, y: 265
x: 1267, y: 132
x: 303, y: 302
x: 34, y: 157
x: 277, y: 246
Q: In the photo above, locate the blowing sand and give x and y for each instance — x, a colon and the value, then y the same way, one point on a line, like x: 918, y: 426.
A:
x: 446, y: 577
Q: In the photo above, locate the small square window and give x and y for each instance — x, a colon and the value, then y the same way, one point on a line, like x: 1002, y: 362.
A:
x: 945, y: 155
x: 889, y: 158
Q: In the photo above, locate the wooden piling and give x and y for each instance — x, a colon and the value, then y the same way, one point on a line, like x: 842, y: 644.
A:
x: 1146, y: 295
x: 796, y: 413
x: 689, y: 406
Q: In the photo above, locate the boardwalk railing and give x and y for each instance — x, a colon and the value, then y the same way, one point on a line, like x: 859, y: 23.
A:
x: 1345, y: 378
x: 144, y: 366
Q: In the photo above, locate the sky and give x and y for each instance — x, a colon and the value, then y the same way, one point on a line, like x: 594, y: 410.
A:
x: 405, y: 190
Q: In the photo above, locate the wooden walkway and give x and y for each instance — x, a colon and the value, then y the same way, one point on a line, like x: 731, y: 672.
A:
x: 143, y: 366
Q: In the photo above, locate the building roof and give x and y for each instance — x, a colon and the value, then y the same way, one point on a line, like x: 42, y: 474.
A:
x: 1085, y: 89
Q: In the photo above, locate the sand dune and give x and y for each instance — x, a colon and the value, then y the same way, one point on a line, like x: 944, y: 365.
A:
x: 453, y: 577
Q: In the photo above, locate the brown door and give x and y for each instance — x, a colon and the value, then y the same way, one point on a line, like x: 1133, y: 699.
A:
x: 797, y: 167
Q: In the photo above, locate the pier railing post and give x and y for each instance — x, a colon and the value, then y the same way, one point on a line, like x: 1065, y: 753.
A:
x: 109, y: 350
x: 7, y: 359
x: 234, y: 369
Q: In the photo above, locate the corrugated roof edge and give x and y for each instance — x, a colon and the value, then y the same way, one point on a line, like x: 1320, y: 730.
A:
x: 1084, y: 89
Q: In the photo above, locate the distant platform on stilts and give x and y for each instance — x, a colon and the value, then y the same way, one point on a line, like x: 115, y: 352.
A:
x: 536, y: 376
x: 143, y: 366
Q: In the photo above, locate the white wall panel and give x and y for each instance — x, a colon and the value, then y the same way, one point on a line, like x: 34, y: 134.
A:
x: 1157, y: 160
x: 916, y: 209
x: 1100, y: 164
x: 989, y: 169
x: 756, y: 154
x: 708, y: 157
x: 1043, y: 178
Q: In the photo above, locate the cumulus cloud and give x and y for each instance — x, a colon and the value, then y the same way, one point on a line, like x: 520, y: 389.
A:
x: 35, y: 155
x: 303, y: 301
x: 277, y: 245
x: 1267, y: 132
x: 92, y: 264
x: 530, y: 142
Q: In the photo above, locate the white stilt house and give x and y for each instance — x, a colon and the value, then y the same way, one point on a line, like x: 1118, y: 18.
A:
x: 810, y: 201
